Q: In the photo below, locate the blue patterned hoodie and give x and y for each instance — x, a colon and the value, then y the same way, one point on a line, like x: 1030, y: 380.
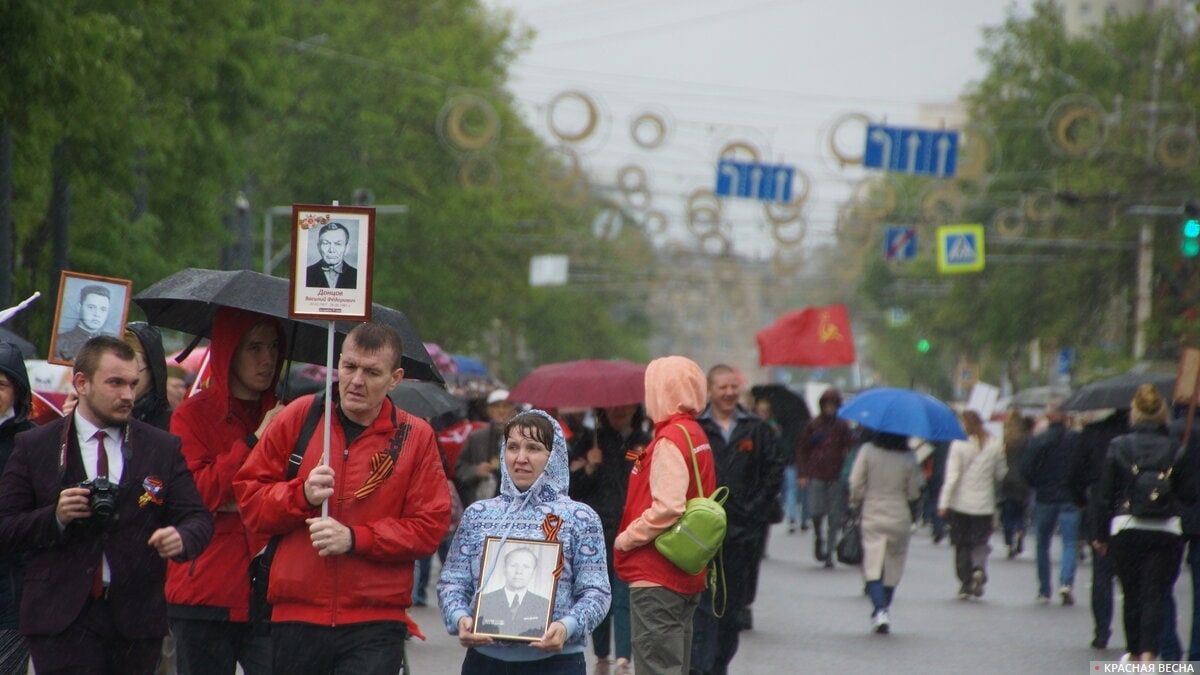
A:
x: 583, y: 594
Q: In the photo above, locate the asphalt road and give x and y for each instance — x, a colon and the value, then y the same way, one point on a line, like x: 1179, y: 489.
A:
x: 812, y: 620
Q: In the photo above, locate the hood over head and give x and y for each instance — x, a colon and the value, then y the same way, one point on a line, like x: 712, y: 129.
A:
x: 831, y: 395
x: 229, y: 325
x: 675, y: 385
x: 12, y: 364
x: 149, y: 342
x: 555, y: 479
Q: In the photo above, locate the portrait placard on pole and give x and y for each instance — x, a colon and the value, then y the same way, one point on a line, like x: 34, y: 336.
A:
x: 88, y: 305
x: 332, y: 262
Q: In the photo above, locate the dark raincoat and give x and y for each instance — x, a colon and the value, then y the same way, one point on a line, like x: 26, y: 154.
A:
x: 12, y: 566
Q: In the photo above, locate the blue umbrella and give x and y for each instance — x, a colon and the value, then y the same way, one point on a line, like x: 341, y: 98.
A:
x: 904, y: 412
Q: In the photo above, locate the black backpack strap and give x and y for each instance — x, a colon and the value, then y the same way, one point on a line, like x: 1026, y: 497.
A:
x: 260, y: 567
x: 310, y: 425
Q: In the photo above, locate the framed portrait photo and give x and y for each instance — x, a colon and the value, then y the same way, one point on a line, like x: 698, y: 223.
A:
x: 88, y: 306
x: 332, y: 262
x: 516, y: 588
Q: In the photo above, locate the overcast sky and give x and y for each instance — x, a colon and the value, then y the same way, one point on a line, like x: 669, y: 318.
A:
x: 775, y: 74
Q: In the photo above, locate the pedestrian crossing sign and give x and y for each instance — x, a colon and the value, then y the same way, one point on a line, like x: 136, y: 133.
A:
x: 960, y: 248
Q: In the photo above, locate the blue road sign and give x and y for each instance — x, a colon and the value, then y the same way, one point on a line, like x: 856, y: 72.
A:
x: 1066, y: 358
x: 960, y: 248
x: 900, y: 243
x: 767, y: 182
x: 925, y: 152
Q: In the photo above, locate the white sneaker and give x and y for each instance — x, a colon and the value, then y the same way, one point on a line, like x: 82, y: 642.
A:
x: 880, y: 621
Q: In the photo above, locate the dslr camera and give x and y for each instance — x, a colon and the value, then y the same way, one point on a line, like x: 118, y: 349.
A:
x: 103, y: 499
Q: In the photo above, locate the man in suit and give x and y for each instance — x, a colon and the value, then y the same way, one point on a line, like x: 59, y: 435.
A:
x: 514, y: 609
x: 92, y: 308
x: 332, y: 270
x: 93, y: 599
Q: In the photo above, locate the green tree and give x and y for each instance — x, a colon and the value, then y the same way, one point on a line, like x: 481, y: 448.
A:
x: 1074, y: 250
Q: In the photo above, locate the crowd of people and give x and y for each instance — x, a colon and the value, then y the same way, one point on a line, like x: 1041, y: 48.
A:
x: 149, y: 532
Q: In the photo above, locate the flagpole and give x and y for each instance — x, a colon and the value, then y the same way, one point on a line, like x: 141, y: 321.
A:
x: 328, y: 408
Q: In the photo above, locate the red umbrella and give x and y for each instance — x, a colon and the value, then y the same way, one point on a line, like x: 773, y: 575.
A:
x: 587, y: 383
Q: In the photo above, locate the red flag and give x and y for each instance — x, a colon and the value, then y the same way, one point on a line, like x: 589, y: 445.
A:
x: 44, y: 410
x: 816, y: 336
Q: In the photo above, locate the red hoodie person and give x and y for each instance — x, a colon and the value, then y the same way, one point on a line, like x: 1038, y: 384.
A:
x: 218, y: 427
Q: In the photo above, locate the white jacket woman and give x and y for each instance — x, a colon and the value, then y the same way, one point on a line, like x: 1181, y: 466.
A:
x: 974, y: 468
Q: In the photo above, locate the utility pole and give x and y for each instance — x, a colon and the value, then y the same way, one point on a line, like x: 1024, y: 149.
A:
x: 1145, y: 269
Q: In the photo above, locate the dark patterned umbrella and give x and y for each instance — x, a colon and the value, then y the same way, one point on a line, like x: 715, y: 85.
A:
x: 188, y: 300
x: 1117, y: 392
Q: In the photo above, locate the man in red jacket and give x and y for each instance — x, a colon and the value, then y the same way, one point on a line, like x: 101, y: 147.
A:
x: 340, y: 585
x: 210, y: 597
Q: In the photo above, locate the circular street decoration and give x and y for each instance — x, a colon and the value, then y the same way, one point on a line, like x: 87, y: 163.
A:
x: 1175, y: 148
x: 574, y: 195
x: 705, y: 194
x: 779, y: 214
x: 789, y: 234
x: 1076, y: 125
x: 714, y: 244
x: 1008, y: 222
x: 703, y: 219
x: 654, y: 222
x: 561, y: 171
x: 845, y: 158
x: 1039, y: 205
x: 593, y: 116
x: 733, y: 147
x: 634, y: 186
x: 479, y: 171
x: 941, y: 203
x: 648, y: 130
x: 875, y: 198
x: 468, y: 123
x: 977, y: 146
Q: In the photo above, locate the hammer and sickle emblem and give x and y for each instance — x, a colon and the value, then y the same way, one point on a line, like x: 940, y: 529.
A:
x: 827, y: 330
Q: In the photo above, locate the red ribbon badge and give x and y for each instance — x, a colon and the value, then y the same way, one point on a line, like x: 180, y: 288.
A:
x: 153, y: 486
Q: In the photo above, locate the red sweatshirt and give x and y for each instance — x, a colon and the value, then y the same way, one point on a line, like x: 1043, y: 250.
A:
x: 213, y: 427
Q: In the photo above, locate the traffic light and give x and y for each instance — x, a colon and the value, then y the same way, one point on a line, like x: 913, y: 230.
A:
x: 1189, y: 244
x: 923, y: 346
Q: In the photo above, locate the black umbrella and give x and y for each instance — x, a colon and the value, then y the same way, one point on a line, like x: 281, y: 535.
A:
x: 789, y: 408
x: 28, y: 351
x: 188, y: 300
x: 427, y: 400
x: 1117, y: 392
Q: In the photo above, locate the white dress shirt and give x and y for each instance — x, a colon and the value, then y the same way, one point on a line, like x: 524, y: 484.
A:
x: 89, y: 449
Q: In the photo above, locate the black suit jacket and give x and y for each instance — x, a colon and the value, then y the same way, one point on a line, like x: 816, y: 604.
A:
x: 496, y: 617
x: 63, y: 563
x: 316, y: 278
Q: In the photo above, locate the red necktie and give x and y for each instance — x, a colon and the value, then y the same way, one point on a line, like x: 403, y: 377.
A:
x: 101, y: 455
x: 101, y: 471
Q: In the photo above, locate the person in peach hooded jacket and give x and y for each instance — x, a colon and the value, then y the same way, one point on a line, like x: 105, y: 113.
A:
x: 662, y: 597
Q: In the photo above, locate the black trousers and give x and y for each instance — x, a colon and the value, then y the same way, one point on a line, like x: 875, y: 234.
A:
x: 1147, y: 564
x: 715, y: 639
x: 217, y: 647
x: 1103, y: 575
x: 970, y: 535
x: 372, y: 648
x: 92, y: 646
